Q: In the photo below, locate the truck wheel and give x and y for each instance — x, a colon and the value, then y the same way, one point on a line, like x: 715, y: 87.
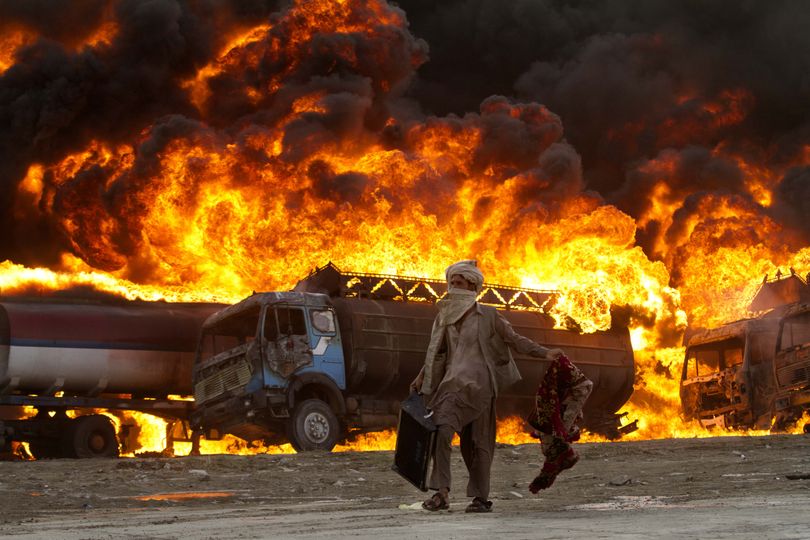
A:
x: 92, y: 436
x: 313, y: 426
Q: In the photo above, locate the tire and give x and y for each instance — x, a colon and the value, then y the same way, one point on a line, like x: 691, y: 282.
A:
x: 91, y: 436
x: 313, y: 426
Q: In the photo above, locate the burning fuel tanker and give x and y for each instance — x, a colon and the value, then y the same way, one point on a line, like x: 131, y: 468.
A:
x: 56, y: 356
x: 307, y: 366
x: 139, y: 348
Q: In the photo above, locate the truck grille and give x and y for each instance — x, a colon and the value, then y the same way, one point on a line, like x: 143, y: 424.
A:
x: 794, y: 374
x: 230, y: 377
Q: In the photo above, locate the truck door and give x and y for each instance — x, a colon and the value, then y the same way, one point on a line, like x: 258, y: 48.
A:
x: 286, y: 342
x: 326, y: 344
x: 792, y: 363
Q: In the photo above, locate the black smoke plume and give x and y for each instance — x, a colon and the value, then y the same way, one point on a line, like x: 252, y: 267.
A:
x: 630, y: 81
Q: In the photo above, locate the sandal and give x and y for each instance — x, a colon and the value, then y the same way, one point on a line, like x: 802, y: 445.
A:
x: 479, y: 505
x: 435, y: 503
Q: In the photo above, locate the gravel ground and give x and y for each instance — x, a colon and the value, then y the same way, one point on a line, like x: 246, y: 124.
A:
x: 722, y: 487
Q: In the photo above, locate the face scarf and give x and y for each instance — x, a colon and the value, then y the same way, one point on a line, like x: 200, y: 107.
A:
x: 455, y: 304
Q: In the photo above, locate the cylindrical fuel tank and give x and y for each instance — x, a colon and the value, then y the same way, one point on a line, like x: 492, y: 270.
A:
x: 605, y: 357
x: 142, y: 348
x: 385, y: 342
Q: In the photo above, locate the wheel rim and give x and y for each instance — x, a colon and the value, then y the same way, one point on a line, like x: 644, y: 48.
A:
x: 316, y: 427
x: 96, y: 442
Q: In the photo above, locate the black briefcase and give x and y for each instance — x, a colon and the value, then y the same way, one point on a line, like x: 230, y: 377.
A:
x: 416, y: 440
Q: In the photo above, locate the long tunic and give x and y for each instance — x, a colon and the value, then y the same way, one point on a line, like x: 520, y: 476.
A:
x: 465, y: 391
x: 464, y: 400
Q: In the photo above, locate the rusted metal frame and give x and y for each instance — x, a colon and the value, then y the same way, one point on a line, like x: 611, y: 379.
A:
x: 369, y: 283
x: 169, y: 407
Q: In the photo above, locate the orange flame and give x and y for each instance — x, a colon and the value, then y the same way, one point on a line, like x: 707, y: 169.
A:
x: 214, y: 214
x: 11, y: 41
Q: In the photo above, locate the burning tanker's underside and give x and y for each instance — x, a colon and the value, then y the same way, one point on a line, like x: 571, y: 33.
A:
x: 196, y: 151
x: 61, y: 356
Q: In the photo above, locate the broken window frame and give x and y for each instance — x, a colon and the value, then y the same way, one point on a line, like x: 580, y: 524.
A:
x: 722, y: 348
x: 213, y: 337
x: 332, y: 329
x: 273, y: 311
x: 795, y: 332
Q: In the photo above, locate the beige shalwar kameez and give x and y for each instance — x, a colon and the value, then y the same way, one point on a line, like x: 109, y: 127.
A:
x: 464, y: 403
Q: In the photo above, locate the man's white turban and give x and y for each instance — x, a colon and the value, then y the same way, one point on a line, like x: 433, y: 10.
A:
x: 468, y: 270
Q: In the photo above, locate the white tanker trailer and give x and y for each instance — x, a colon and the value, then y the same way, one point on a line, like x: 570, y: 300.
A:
x: 59, y: 356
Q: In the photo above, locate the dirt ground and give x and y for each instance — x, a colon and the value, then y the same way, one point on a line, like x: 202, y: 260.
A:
x: 729, y: 487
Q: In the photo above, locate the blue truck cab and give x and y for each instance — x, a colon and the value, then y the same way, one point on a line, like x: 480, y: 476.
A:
x: 272, y: 367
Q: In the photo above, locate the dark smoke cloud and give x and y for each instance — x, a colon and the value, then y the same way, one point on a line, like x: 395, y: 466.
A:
x: 631, y: 78
x: 54, y: 19
x: 134, y: 89
x: 345, y: 187
x: 793, y: 198
x: 55, y: 99
x: 343, y: 119
x: 514, y: 140
x: 630, y: 81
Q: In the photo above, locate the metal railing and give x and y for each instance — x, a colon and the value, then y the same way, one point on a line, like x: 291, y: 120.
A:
x: 332, y: 281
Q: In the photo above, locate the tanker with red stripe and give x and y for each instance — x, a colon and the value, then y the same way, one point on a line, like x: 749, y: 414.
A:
x: 57, y: 356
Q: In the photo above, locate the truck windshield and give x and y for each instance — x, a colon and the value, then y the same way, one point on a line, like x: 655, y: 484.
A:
x: 284, y: 321
x: 235, y: 330
x: 795, y: 331
x: 712, y: 358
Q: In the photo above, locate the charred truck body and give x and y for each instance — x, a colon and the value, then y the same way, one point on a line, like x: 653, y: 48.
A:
x: 336, y: 356
x: 753, y: 373
x: 727, y: 378
x: 792, y: 364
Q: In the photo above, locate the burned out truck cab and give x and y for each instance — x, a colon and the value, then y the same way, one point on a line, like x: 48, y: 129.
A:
x: 727, y: 378
x: 272, y: 364
x: 792, y: 364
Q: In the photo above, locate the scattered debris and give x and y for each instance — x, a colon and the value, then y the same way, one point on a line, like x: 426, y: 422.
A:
x: 201, y: 474
x: 621, y: 480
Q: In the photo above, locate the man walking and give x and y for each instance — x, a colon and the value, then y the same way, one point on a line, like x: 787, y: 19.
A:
x: 467, y: 364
